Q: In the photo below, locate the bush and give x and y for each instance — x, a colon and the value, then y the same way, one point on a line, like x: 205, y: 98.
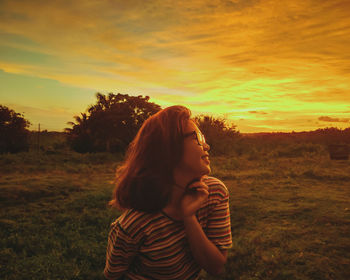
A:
x: 222, y: 137
x: 13, y: 131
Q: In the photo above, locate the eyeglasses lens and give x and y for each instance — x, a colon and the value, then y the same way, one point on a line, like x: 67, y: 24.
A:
x: 200, y: 138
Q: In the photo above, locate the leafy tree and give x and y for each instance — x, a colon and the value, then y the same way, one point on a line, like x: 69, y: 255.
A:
x: 221, y: 136
x: 110, y: 124
x: 13, y: 131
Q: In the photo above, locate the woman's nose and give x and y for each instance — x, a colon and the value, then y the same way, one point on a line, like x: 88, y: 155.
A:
x: 206, y: 147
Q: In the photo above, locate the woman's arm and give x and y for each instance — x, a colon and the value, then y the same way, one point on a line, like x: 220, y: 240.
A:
x: 208, y: 256
x: 204, y: 251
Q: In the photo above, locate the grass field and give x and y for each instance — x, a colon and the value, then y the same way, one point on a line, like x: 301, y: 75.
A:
x: 290, y: 215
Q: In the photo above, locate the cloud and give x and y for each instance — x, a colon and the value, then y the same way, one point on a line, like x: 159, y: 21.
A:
x: 143, y: 37
x: 330, y: 119
x: 257, y: 112
x: 215, y: 56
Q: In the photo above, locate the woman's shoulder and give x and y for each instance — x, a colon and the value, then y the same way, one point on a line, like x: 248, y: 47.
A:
x: 216, y: 187
x: 215, y: 183
x: 210, y: 180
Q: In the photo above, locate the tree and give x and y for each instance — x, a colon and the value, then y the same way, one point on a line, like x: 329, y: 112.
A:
x: 221, y: 136
x: 13, y: 131
x: 110, y: 124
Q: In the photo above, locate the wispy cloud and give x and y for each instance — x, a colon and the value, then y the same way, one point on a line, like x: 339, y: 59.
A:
x: 330, y: 119
x: 257, y: 112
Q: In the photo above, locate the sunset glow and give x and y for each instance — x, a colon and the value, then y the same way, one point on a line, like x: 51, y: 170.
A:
x: 264, y: 65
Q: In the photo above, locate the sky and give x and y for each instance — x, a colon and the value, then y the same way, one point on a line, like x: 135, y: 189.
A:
x: 265, y: 66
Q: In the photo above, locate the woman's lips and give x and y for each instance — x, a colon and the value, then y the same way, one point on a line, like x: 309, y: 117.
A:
x: 206, y: 159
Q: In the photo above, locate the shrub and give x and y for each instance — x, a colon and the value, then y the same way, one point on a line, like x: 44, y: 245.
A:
x: 221, y: 136
x: 13, y: 131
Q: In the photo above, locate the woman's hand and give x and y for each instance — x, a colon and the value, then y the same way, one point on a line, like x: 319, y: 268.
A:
x: 193, y: 198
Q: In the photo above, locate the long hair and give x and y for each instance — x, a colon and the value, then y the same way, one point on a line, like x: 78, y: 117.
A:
x: 144, y: 181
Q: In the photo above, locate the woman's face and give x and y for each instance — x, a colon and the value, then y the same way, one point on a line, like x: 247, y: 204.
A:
x: 195, y: 159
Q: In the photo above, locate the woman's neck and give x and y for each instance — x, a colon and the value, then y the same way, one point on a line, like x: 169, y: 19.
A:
x: 172, y: 209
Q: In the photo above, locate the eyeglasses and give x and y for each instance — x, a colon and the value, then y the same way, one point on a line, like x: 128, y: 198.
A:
x: 199, y: 136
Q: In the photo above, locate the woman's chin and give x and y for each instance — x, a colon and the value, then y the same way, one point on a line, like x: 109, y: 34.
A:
x: 209, y: 170
x: 206, y: 170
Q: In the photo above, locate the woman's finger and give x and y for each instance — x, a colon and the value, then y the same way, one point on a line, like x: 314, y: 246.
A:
x: 202, y: 187
x: 197, y: 184
x: 202, y: 191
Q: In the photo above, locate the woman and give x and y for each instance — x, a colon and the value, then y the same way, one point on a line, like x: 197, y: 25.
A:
x: 176, y: 219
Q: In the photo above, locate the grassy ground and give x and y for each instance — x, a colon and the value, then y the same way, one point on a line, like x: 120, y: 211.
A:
x: 54, y: 220
x: 290, y: 215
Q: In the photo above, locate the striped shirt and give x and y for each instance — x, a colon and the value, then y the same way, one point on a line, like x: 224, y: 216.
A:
x: 154, y: 246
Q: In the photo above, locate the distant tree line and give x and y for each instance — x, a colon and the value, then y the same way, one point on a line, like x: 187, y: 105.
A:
x: 107, y: 126
x: 113, y: 121
x: 324, y: 136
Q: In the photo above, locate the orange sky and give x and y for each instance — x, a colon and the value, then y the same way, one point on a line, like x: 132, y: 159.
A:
x: 265, y: 65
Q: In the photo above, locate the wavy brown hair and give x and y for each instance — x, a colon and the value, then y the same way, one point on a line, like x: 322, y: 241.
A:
x: 144, y: 181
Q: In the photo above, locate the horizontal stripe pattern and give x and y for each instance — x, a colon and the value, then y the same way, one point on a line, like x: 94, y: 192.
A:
x: 153, y: 246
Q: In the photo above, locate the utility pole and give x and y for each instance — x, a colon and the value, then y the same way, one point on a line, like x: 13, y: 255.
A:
x: 39, y: 138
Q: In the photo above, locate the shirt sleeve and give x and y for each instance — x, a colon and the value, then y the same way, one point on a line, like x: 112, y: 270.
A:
x: 121, y: 250
x: 219, y: 224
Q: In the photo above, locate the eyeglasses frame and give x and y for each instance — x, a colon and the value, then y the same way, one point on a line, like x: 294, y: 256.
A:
x: 194, y: 132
